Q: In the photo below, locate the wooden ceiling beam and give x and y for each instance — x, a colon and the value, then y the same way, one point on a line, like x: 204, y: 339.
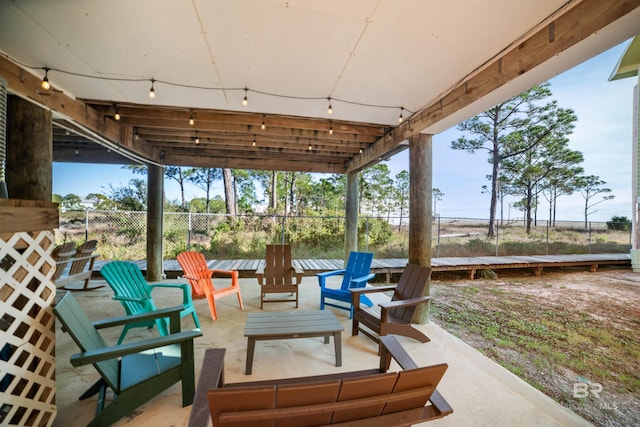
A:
x: 287, y: 164
x: 181, y: 115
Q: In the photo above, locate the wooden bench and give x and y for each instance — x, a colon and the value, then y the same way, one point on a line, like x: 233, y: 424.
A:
x: 367, y: 398
x: 74, y: 265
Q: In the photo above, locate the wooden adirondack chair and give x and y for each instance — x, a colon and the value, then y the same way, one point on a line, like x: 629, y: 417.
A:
x: 135, y: 372
x: 355, y: 275
x: 278, y: 275
x: 395, y: 316
x: 134, y: 293
x: 82, y: 267
x: 195, y: 268
x: 61, y: 255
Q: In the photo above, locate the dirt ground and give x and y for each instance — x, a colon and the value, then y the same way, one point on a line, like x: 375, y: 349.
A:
x: 575, y: 335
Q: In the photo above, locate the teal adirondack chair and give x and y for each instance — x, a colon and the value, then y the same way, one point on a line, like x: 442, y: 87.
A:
x: 134, y: 293
x: 136, y: 372
x: 355, y: 275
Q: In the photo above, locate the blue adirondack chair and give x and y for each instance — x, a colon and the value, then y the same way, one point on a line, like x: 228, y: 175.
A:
x: 355, y: 275
x: 134, y: 293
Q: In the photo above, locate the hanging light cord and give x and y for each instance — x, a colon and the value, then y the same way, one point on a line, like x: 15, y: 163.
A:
x: 153, y: 81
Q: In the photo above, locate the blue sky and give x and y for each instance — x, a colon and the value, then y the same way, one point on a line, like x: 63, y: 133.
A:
x: 603, y: 133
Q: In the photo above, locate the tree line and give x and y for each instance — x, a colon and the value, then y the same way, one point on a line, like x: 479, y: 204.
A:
x: 525, y: 137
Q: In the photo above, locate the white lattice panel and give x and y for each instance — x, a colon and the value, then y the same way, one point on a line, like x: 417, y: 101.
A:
x: 27, y: 330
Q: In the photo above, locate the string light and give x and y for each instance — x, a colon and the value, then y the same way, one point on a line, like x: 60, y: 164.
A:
x: 254, y: 141
x: 360, y: 150
x: 245, y: 101
x: 152, y: 91
x: 45, y: 80
x: 263, y: 126
x: 310, y: 146
x: 191, y: 121
x: 330, y: 128
x: 197, y: 139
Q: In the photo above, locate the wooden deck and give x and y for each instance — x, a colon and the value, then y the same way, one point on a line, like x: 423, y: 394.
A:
x: 389, y: 266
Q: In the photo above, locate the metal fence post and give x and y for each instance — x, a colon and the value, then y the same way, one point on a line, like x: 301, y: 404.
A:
x: 86, y: 225
x: 189, y: 231
x: 366, y: 234
x: 438, y: 238
x: 547, y: 244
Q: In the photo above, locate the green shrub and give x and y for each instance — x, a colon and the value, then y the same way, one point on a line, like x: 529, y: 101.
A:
x: 621, y: 223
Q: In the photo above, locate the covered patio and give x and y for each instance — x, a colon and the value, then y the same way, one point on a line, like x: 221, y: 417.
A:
x: 329, y: 87
x: 481, y: 392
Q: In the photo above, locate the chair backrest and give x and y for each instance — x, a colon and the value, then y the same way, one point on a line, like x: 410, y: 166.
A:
x: 194, y: 265
x: 85, y: 335
x: 126, y: 280
x: 278, y: 268
x: 358, y: 265
x: 325, y: 402
x: 60, y: 254
x: 412, y: 283
x: 83, y: 253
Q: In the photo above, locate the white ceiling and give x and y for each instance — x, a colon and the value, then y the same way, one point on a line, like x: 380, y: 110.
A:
x: 394, y: 53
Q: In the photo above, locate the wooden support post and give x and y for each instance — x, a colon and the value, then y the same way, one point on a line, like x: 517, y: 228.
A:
x: 351, y: 215
x: 29, y: 169
x: 155, y: 192
x: 420, y: 189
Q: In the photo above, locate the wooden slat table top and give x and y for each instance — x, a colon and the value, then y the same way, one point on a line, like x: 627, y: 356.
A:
x: 292, y: 324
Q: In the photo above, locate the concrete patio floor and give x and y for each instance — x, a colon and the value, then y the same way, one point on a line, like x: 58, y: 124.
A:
x: 481, y: 392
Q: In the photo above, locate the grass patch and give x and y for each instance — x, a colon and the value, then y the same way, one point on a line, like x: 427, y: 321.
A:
x: 541, y: 339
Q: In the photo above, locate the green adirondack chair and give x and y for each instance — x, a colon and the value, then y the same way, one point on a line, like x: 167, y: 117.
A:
x: 135, y: 372
x: 134, y: 293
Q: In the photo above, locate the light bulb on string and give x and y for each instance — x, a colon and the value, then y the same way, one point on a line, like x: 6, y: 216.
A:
x: 45, y: 80
x: 329, y: 108
x: 245, y: 101
x: 263, y: 126
x: 330, y: 128
x: 253, y: 144
x: 197, y: 139
x: 191, y: 121
x: 117, y: 113
x: 400, y: 118
x: 152, y: 91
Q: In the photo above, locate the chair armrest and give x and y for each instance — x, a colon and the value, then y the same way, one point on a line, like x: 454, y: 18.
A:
x: 108, y: 353
x: 371, y: 290
x: 330, y: 273
x: 390, y: 347
x: 260, y: 275
x: 440, y: 403
x: 386, y: 306
x: 140, y: 317
x: 299, y: 271
x: 405, y: 302
x: 184, y: 276
x: 211, y: 377
x: 130, y: 299
x: 186, y: 289
x: 225, y: 272
x: 359, y: 282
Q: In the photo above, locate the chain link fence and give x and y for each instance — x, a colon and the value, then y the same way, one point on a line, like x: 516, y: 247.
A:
x: 122, y: 235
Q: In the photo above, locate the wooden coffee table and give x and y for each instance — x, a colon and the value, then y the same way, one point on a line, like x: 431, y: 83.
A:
x: 292, y: 324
